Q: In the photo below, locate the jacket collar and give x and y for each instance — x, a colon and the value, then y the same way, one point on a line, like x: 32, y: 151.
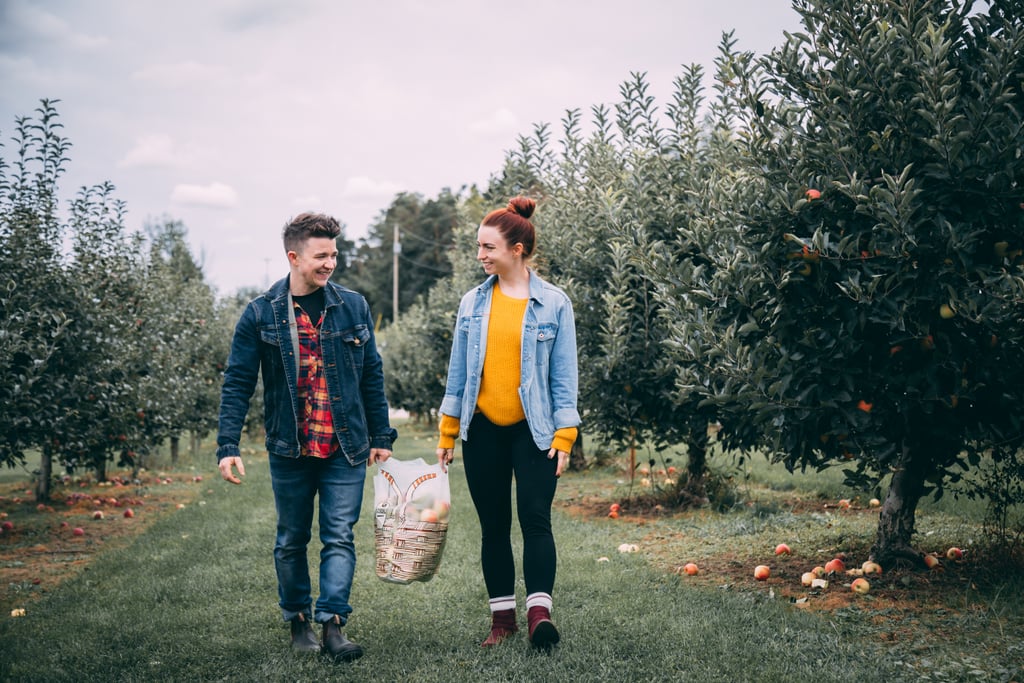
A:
x: 537, y: 286
x: 332, y: 291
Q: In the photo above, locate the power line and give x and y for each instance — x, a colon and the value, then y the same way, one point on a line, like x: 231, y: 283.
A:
x: 418, y: 264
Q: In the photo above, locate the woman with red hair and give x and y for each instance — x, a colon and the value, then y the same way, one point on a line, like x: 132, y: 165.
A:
x: 511, y: 397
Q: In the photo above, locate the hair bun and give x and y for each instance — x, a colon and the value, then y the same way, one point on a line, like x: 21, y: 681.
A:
x: 523, y: 206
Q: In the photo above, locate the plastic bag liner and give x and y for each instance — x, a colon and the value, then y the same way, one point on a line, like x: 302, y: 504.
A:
x: 410, y: 512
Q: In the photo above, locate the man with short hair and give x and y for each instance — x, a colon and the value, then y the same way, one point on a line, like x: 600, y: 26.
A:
x: 326, y: 420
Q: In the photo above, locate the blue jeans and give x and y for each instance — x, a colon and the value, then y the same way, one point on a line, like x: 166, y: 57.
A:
x: 297, y: 483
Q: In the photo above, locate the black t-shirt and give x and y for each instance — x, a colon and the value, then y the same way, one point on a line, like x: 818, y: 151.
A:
x: 312, y: 304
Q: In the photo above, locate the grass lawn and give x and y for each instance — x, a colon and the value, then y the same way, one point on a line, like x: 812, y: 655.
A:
x: 188, y: 593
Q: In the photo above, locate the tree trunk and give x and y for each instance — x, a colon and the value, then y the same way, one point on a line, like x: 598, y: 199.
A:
x: 896, y: 519
x: 693, y: 491
x: 175, y: 445
x: 194, y: 444
x: 100, y: 462
x: 577, y: 460
x: 45, y: 472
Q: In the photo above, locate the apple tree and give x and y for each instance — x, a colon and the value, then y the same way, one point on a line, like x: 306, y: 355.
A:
x: 32, y: 329
x: 876, y: 281
x: 179, y: 379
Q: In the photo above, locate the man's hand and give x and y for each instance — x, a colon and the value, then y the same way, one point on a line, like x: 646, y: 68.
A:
x: 445, y: 457
x: 378, y: 455
x: 225, y: 466
x: 563, y: 460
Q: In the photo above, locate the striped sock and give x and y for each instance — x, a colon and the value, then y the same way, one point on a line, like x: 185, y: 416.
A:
x: 503, y: 603
x: 538, y: 600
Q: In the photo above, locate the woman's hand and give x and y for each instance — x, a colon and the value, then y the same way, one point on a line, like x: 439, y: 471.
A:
x: 563, y: 460
x: 445, y: 457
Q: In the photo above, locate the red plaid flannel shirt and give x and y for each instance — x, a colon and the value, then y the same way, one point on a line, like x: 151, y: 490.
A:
x: 317, y: 429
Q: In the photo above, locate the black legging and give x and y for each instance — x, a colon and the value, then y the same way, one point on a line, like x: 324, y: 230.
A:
x: 491, y: 455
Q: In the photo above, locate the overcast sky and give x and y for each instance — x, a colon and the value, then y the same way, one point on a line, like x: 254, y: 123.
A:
x: 235, y: 115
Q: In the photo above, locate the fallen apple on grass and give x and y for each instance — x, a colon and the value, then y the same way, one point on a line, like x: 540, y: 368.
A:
x: 870, y: 567
x: 932, y: 562
x: 782, y: 549
x: 98, y: 514
x: 819, y: 572
x: 129, y: 513
x: 807, y: 578
x: 834, y: 566
x: 955, y: 554
x: 860, y: 586
x: 762, y: 572
x: 78, y: 531
x: 691, y: 568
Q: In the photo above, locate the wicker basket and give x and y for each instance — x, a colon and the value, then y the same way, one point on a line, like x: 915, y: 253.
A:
x: 407, y: 550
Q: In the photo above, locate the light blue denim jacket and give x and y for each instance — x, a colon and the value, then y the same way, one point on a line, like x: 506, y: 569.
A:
x: 549, y: 380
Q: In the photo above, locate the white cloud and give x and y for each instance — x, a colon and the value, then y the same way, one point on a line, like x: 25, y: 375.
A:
x: 214, y: 196
x: 499, y: 122
x: 178, y: 75
x: 361, y: 187
x: 33, y: 21
x: 156, y: 150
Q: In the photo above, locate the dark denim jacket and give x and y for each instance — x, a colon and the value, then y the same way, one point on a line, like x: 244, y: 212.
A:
x: 266, y: 339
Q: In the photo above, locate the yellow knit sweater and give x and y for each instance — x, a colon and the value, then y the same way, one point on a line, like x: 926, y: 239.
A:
x: 499, y: 382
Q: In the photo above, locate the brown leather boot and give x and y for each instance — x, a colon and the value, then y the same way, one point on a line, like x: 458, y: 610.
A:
x: 503, y: 624
x: 303, y: 637
x: 336, y: 645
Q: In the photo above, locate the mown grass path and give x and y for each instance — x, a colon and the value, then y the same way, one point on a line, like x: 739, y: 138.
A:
x: 194, y: 599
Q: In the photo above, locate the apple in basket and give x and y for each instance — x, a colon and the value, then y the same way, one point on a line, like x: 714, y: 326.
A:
x: 429, y: 515
x: 442, y: 508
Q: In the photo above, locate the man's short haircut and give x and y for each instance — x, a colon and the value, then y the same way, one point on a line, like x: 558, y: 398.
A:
x: 299, y: 229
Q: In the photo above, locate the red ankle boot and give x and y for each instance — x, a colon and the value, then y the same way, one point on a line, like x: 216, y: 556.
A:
x: 543, y: 633
x: 503, y: 624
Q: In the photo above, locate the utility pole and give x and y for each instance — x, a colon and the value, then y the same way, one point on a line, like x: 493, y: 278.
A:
x: 396, y: 249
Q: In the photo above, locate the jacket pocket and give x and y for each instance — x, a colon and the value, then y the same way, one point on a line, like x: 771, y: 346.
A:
x: 546, y: 335
x: 354, y: 340
x: 270, y: 341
